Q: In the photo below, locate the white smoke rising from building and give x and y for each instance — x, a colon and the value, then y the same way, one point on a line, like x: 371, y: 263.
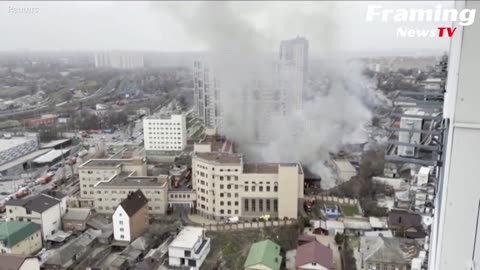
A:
x: 240, y: 55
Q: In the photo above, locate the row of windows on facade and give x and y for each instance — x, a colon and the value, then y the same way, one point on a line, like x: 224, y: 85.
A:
x: 163, y: 123
x: 120, y: 199
x: 221, y: 177
x: 165, y: 142
x: 213, y: 168
x: 164, y: 133
x: 253, y: 188
x: 180, y: 196
x: 252, y: 207
x: 166, y: 147
x: 125, y: 191
x: 99, y: 172
x: 113, y: 207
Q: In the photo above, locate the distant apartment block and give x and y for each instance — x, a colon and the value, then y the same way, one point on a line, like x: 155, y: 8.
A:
x: 119, y: 60
x: 165, y: 132
x: 189, y: 249
x: 226, y: 186
x: 130, y: 219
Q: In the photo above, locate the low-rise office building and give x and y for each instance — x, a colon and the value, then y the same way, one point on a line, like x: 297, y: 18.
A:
x: 75, y: 220
x: 96, y: 170
x: 226, y: 186
x: 108, y: 194
x: 189, y: 248
x: 20, y: 237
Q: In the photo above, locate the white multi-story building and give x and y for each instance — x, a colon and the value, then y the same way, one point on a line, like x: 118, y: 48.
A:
x: 411, y: 137
x: 455, y: 239
x: 189, y: 248
x: 165, y: 132
x: 41, y: 209
x: 130, y: 219
x: 120, y: 60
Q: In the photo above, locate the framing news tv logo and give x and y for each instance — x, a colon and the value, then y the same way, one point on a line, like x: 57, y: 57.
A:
x: 464, y: 17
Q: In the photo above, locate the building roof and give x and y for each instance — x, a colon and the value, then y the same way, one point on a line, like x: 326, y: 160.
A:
x: 221, y: 157
x: 388, y: 250
x: 125, y: 179
x: 344, y: 166
x: 22, y: 159
x: 134, y: 202
x: 357, y: 224
x: 38, y: 203
x: 314, y: 252
x: 51, y: 156
x: 187, y: 237
x: 265, y: 253
x: 386, y: 233
x: 13, y: 142
x: 217, y: 143
x: 79, y: 214
x: 105, y: 162
x: 54, y: 143
x: 65, y: 254
x: 55, y: 194
x: 267, y: 168
x: 12, y: 261
x: 404, y: 219
x: 12, y: 232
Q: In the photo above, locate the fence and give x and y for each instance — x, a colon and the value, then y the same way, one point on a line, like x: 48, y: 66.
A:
x: 334, y: 199
x: 219, y: 227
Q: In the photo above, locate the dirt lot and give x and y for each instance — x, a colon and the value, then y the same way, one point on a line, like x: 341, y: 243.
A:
x: 229, y: 250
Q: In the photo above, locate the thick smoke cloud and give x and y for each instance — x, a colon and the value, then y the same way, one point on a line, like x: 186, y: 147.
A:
x: 334, y: 113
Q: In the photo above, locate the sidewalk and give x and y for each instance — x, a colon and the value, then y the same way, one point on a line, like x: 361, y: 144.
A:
x: 201, y: 220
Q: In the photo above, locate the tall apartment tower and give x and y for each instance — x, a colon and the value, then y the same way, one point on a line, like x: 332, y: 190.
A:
x: 455, y: 239
x: 206, y: 95
x: 293, y: 68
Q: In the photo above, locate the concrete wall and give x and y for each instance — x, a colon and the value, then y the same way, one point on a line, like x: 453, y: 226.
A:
x: 457, y: 204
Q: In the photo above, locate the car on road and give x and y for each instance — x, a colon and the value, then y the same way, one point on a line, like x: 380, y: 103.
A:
x: 232, y: 220
x: 264, y: 218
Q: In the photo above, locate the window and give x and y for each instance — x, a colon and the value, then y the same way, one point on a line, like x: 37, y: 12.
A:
x: 246, y: 204
x: 268, y: 188
x: 253, y: 188
x: 275, y: 205
x: 268, y: 205
x: 253, y: 205
x: 275, y: 188
x: 120, y: 222
x: 260, y: 188
x: 122, y: 236
x: 246, y: 188
x: 121, y: 229
x: 260, y: 205
x: 187, y: 253
x: 236, y: 203
x: 221, y: 202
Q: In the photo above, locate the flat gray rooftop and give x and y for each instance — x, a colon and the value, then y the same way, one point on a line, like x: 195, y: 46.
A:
x: 105, y: 162
x: 124, y: 180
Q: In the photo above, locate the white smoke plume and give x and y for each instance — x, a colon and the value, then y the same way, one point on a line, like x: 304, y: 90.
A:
x: 240, y: 54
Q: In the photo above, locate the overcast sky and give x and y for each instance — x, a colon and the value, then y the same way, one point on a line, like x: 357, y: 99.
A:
x: 160, y: 26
